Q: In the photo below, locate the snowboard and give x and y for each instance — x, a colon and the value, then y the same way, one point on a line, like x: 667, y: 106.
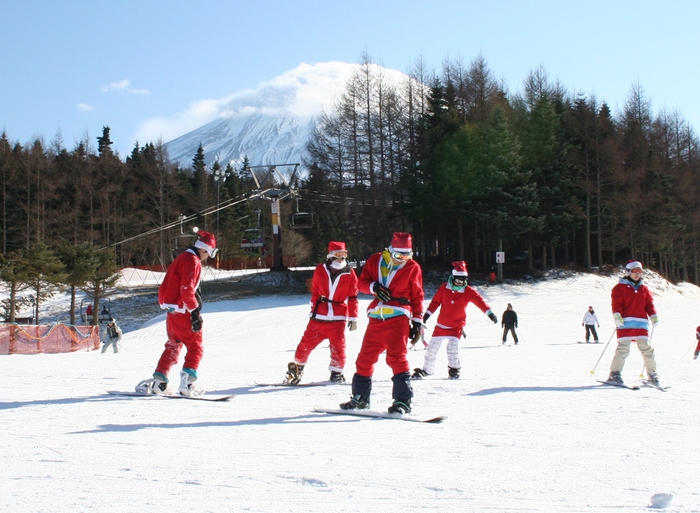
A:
x: 309, y: 384
x: 383, y: 415
x: 211, y: 397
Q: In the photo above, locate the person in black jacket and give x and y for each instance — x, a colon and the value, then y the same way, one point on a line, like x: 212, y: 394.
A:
x: 509, y: 321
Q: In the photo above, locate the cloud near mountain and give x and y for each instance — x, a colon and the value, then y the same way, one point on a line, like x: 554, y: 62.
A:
x: 270, y: 123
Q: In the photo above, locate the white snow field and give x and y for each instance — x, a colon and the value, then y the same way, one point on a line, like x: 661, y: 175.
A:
x: 528, y: 427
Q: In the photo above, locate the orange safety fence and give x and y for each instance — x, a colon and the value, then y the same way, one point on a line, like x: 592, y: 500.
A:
x: 57, y: 338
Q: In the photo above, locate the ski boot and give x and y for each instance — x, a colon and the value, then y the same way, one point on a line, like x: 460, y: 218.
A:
x: 187, y: 386
x: 337, y: 377
x: 452, y: 373
x: 402, y: 407
x: 156, y: 385
x: 654, y: 379
x: 294, y: 373
x: 418, y: 373
x: 616, y: 377
x: 356, y: 402
x: 696, y: 356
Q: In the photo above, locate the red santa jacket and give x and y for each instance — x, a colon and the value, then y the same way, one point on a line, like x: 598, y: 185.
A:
x: 636, y: 304
x: 404, y: 281
x: 178, y: 292
x: 333, y: 297
x: 453, y: 305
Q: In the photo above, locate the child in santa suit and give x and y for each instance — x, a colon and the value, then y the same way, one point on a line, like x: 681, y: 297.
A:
x: 395, y: 314
x: 333, y: 305
x: 179, y: 295
x: 452, y: 298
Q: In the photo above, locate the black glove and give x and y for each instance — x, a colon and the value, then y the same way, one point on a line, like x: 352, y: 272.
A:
x: 493, y: 317
x: 426, y: 317
x: 196, y: 321
x: 415, y: 330
x: 381, y: 292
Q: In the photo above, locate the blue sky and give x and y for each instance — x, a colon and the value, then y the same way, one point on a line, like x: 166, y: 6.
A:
x: 76, y: 65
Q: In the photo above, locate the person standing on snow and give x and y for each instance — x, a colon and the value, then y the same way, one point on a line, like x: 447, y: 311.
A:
x: 590, y: 319
x: 395, y: 314
x: 633, y: 307
x: 111, y: 335
x: 697, y: 348
x: 333, y: 304
x: 509, y: 321
x: 180, y: 296
x: 452, y: 298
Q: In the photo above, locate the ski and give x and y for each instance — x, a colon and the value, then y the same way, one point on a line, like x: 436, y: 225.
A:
x: 383, y: 415
x: 210, y: 397
x: 309, y: 384
x: 658, y: 387
x: 619, y: 385
x: 580, y: 342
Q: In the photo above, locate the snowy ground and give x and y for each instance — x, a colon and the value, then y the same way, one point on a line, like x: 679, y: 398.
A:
x: 528, y: 427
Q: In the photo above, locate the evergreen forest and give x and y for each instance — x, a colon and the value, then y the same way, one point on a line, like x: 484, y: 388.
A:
x: 549, y: 176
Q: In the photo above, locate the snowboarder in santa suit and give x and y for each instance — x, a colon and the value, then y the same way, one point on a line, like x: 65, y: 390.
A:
x: 452, y: 298
x: 633, y: 307
x: 395, y: 314
x: 333, y: 305
x: 180, y: 296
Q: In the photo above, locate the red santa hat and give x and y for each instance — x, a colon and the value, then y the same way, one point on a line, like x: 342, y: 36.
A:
x: 206, y: 241
x: 633, y: 264
x: 401, y: 242
x: 335, y: 247
x: 460, y: 269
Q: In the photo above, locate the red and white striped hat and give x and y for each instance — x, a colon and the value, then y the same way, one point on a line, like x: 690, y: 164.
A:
x: 460, y: 268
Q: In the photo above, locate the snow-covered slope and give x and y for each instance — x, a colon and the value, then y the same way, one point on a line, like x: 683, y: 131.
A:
x: 528, y: 429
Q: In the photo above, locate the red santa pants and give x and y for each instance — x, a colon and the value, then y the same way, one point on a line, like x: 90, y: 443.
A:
x: 318, y: 331
x: 390, y: 335
x: 179, y: 329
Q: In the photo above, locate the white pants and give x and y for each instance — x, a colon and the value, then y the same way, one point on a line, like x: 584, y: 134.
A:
x: 434, y: 347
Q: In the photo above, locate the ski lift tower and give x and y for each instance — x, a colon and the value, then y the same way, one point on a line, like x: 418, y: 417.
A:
x: 272, y: 184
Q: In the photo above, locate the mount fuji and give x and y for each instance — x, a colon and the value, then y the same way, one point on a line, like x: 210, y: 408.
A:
x: 270, y: 124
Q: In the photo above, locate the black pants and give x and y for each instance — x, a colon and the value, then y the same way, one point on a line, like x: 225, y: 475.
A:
x: 512, y: 332
x: 590, y: 328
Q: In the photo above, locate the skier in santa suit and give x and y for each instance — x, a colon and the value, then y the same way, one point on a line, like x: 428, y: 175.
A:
x: 333, y: 305
x: 697, y: 348
x: 452, y: 298
x: 395, y: 314
x: 179, y: 295
x: 633, y: 307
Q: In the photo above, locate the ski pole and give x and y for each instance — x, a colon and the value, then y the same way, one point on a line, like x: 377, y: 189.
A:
x: 691, y: 346
x: 641, y: 374
x: 519, y: 335
x: 604, y: 349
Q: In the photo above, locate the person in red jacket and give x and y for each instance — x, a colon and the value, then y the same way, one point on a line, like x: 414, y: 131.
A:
x: 697, y: 348
x: 333, y: 304
x: 179, y: 295
x: 633, y: 307
x: 395, y: 314
x: 452, y: 298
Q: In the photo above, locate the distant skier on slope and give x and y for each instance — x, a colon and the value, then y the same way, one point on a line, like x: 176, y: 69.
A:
x: 452, y: 298
x: 697, y: 348
x: 333, y: 305
x: 590, y: 319
x: 509, y: 321
x: 633, y: 307
x: 395, y: 315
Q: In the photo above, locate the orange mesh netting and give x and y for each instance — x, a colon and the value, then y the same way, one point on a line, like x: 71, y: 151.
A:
x: 57, y: 338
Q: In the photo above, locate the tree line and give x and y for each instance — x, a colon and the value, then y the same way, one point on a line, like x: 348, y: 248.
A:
x: 551, y: 177
x: 548, y: 176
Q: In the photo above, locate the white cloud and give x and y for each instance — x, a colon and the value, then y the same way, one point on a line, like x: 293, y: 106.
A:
x: 123, y: 86
x: 301, y: 92
x: 84, y: 107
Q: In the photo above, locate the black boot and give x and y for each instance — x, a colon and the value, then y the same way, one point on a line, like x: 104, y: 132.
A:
x: 453, y: 373
x: 337, y: 377
x: 402, y: 406
x: 418, y: 373
x: 356, y: 402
